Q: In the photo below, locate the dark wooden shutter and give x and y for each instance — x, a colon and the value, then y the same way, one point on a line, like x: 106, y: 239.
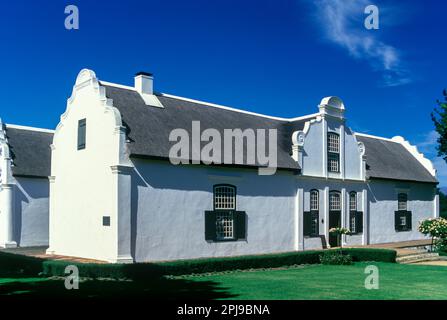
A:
x: 82, y: 127
x: 359, y: 222
x: 397, y: 221
x: 210, y: 226
x: 307, y: 223
x: 352, y: 214
x: 241, y: 225
x: 409, y: 222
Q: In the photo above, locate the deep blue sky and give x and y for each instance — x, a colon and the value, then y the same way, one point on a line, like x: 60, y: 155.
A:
x: 273, y: 57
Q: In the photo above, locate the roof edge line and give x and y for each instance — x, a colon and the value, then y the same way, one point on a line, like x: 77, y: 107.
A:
x: 215, y: 105
x: 16, y: 126
x: 373, y: 137
x: 235, y: 109
x: 413, y: 150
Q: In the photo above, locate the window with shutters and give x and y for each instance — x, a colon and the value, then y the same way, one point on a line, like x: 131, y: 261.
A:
x: 334, y: 201
x: 402, y: 217
x: 333, y: 152
x: 224, y: 204
x: 353, y: 212
x: 402, y: 199
x: 82, y: 131
x: 225, y: 223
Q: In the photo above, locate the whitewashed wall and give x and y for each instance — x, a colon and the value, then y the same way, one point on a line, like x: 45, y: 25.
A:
x: 84, y: 188
x: 382, y: 196
x: 31, y: 211
x: 324, y: 187
x: 169, y: 204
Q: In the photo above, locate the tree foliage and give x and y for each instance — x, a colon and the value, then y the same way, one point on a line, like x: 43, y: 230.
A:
x: 439, y: 117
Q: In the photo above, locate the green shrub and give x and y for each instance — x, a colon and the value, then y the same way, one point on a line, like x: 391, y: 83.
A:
x: 371, y: 254
x: 14, y: 265
x: 335, y: 257
x: 196, y: 266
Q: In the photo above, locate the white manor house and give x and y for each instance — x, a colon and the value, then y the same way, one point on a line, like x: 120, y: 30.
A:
x: 115, y: 195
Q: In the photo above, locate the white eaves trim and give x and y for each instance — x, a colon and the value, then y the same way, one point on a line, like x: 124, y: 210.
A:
x: 418, y: 155
x: 374, y: 137
x: 410, y: 148
x: 15, y: 126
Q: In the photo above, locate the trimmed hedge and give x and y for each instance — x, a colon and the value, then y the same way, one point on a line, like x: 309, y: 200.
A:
x: 196, y: 266
x: 19, y: 265
x: 371, y: 254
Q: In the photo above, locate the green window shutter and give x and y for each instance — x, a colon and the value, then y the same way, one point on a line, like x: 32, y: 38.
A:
x: 359, y: 222
x: 82, y: 128
x: 315, y: 217
x: 241, y: 225
x: 397, y: 221
x: 210, y: 226
x: 307, y: 223
x: 408, y: 216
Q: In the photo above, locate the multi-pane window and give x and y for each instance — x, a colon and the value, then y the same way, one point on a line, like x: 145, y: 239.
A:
x: 314, y: 213
x: 353, y: 201
x: 333, y: 143
x: 353, y: 212
x: 333, y: 152
x: 224, y: 197
x: 224, y: 225
x: 314, y: 201
x: 402, y: 202
x: 334, y: 201
x: 224, y: 204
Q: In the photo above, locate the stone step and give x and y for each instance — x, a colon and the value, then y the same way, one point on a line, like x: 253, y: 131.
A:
x: 419, y: 257
x: 409, y: 252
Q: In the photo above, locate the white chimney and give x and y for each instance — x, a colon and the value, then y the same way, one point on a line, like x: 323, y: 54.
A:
x: 144, y: 83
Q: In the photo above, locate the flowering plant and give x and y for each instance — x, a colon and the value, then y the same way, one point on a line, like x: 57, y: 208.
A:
x: 339, y: 231
x: 436, y: 228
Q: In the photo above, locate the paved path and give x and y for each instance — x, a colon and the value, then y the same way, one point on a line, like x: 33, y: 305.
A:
x: 39, y: 252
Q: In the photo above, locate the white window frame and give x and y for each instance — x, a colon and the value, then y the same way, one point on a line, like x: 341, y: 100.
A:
x: 224, y: 225
x: 333, y: 152
x: 333, y: 142
x: 224, y: 199
x: 402, y: 205
x: 314, y: 200
x: 334, y: 205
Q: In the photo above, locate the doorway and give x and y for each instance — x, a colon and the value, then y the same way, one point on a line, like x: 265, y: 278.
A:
x: 334, y: 217
x: 334, y: 222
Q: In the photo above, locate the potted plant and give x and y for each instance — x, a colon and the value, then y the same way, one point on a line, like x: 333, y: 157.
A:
x: 338, y: 232
x: 336, y: 256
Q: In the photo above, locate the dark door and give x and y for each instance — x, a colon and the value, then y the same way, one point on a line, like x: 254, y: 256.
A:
x: 334, y: 222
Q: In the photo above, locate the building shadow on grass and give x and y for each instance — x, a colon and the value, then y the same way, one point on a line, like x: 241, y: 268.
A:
x: 154, y: 288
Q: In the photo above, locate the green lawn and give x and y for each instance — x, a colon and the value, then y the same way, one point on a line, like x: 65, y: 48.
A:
x: 305, y: 282
x: 396, y: 281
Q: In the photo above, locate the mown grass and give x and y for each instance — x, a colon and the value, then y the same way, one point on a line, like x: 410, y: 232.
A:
x: 396, y: 281
x: 305, y: 282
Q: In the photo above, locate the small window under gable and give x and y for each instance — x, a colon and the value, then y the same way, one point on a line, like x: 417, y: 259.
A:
x: 82, y: 128
x: 402, y: 199
x: 333, y: 152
